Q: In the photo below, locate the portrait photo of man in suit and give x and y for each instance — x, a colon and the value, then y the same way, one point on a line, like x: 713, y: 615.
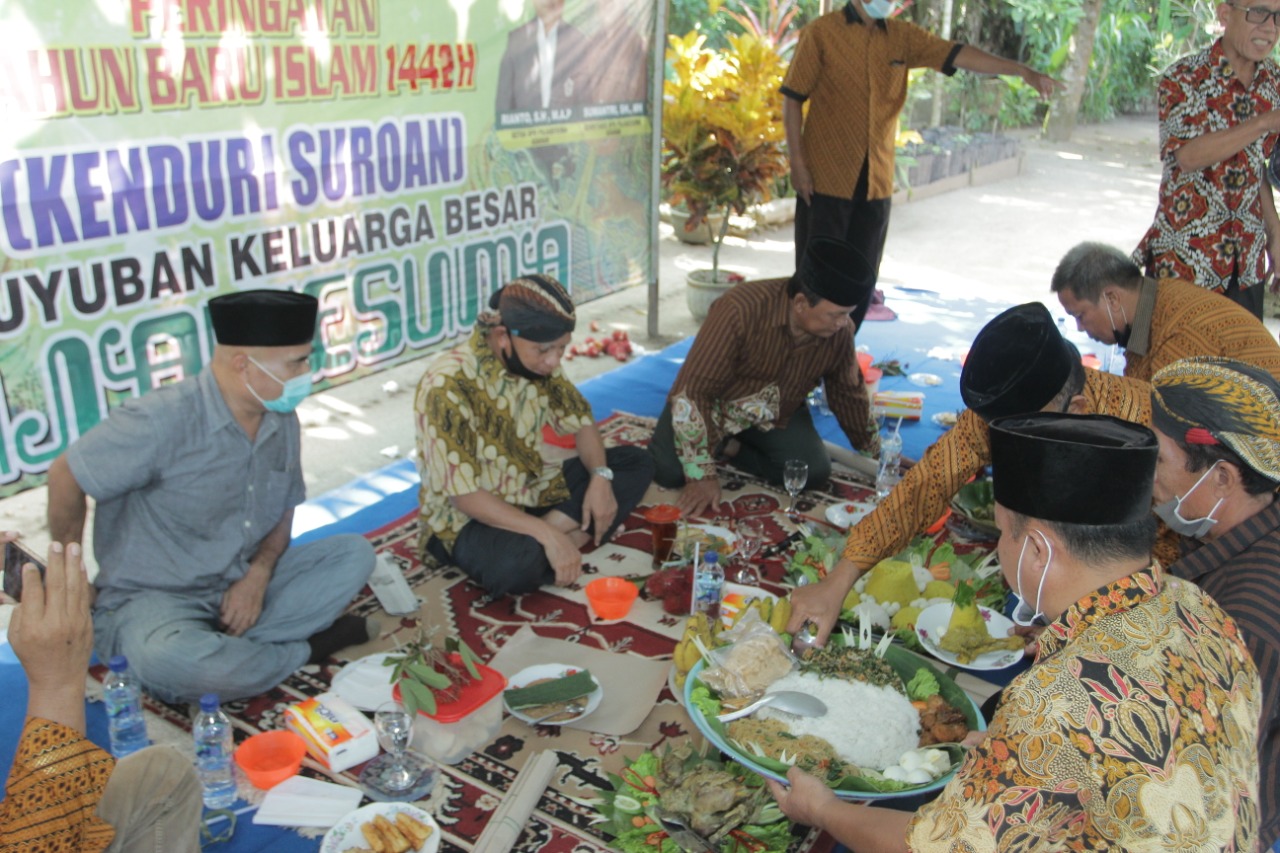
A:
x: 544, y: 67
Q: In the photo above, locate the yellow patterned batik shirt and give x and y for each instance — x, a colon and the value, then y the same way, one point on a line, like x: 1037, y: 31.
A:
x: 1135, y: 730
x: 480, y: 429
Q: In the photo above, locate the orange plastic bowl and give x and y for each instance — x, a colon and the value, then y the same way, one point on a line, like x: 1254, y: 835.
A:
x: 268, y: 758
x: 611, y: 598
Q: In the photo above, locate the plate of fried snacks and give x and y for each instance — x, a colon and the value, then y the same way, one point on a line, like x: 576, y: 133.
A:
x: 384, y: 828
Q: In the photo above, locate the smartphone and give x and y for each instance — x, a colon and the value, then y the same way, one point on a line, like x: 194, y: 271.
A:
x: 15, y: 557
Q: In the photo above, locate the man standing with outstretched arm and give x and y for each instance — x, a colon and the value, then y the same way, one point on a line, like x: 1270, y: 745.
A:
x: 850, y: 67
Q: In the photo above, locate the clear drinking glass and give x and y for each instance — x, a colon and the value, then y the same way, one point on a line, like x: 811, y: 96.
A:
x: 794, y: 475
x: 750, y: 539
x: 398, y: 775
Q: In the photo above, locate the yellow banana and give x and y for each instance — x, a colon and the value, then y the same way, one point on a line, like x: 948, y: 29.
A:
x: 781, y: 615
x: 766, y: 610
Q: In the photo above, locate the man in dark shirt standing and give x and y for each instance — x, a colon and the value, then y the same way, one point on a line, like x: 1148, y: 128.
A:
x: 741, y: 392
x: 1218, y: 424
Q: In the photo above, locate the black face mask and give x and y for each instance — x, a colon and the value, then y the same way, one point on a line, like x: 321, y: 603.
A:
x: 1121, y: 335
x: 516, y: 366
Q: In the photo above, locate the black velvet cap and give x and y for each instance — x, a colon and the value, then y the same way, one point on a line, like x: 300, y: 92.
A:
x: 264, y: 318
x: 836, y: 271
x: 1017, y: 363
x: 1077, y: 469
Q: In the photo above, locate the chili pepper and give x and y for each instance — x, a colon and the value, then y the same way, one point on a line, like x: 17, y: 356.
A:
x: 642, y: 786
x: 747, y: 840
x: 656, y: 838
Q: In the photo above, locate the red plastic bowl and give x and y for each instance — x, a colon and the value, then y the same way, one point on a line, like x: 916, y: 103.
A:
x: 611, y: 598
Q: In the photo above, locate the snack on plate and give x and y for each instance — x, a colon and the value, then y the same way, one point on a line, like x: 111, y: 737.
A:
x: 405, y: 835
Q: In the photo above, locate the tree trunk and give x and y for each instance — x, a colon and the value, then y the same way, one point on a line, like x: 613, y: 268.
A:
x: 1065, y: 107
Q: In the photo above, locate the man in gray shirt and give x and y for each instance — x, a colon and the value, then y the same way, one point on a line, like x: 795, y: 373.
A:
x: 195, y: 486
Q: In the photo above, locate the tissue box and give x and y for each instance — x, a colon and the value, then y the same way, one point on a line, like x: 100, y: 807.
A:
x: 337, y: 735
x: 898, y: 404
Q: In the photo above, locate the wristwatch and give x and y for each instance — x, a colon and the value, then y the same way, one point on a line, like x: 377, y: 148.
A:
x: 603, y: 471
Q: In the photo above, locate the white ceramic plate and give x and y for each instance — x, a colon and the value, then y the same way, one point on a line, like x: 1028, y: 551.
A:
x: 346, y: 834
x: 925, y: 380
x: 365, y: 683
x: 931, y: 624
x: 551, y: 670
x: 847, y: 514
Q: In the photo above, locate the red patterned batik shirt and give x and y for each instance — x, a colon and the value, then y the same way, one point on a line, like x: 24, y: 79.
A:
x: 1209, y: 223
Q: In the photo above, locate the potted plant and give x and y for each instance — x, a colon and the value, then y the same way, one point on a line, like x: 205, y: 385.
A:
x: 723, y: 140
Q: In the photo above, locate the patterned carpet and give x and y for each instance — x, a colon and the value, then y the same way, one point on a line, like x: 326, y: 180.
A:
x: 469, y: 791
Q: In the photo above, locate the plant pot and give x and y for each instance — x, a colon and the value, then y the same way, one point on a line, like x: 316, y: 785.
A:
x: 700, y: 236
x: 702, y: 288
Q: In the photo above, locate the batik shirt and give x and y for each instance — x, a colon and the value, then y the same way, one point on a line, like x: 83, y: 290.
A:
x: 745, y: 369
x: 1134, y: 730
x: 480, y: 429
x: 926, y: 489
x: 1176, y: 320
x: 1240, y: 569
x: 55, y: 785
x: 1210, y: 220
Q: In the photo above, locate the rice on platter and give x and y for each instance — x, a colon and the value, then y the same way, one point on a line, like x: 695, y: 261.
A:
x: 866, y: 725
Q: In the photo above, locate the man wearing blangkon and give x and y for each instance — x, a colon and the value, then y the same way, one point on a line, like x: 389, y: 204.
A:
x: 1135, y: 727
x: 196, y: 485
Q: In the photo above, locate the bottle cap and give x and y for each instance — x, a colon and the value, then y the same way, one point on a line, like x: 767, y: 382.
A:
x: 209, y: 702
x: 118, y: 663
x: 710, y: 557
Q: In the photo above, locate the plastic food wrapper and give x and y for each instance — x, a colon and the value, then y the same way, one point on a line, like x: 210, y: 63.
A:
x: 755, y: 658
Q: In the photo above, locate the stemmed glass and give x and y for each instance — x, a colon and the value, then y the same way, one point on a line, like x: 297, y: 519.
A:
x: 750, y: 537
x: 399, y: 775
x: 794, y: 475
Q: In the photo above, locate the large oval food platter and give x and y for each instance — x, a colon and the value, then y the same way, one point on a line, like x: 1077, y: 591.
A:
x: 851, y: 788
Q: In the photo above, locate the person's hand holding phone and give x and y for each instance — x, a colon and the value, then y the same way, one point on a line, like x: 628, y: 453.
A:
x: 15, y: 557
x: 52, y: 634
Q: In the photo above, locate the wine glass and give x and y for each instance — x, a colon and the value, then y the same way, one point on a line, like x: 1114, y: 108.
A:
x: 399, y: 775
x: 750, y: 538
x: 794, y: 475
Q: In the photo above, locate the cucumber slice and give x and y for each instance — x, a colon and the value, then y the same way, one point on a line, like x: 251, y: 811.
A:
x: 627, y: 805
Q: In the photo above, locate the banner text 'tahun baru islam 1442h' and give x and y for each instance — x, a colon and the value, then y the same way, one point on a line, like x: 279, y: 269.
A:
x: 397, y: 159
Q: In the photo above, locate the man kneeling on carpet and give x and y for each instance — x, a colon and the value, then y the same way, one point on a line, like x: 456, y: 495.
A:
x: 1136, y: 724
x: 195, y: 485
x: 63, y: 792
x: 740, y: 393
x: 491, y: 503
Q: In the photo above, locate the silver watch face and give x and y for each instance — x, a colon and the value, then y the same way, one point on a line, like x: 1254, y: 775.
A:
x: 607, y: 473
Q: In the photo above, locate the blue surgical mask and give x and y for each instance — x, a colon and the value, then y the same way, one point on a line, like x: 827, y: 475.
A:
x: 295, y: 391
x: 1025, y: 614
x: 878, y: 9
x: 1171, y: 513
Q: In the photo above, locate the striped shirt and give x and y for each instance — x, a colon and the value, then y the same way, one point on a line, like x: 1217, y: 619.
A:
x: 1176, y: 319
x: 854, y: 76
x: 927, y: 488
x: 747, y: 369
x: 53, y: 792
x: 1241, y: 571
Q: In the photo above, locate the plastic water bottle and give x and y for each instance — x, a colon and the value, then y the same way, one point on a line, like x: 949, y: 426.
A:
x: 708, y: 583
x: 214, y: 745
x: 123, y: 696
x: 890, y: 457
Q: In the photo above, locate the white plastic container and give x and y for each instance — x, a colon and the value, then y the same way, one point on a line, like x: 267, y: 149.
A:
x: 460, y: 728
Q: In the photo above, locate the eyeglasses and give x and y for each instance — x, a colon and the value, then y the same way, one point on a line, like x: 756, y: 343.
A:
x: 1258, y: 14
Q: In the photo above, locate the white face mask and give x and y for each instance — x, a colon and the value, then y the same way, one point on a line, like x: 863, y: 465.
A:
x: 1171, y: 513
x: 878, y: 9
x: 1023, y: 613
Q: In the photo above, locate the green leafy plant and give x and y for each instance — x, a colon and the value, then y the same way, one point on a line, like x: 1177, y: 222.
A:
x: 429, y: 673
x: 723, y: 141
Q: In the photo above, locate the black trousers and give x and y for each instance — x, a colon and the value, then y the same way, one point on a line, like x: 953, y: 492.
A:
x: 764, y: 453
x: 508, y: 563
x: 861, y: 222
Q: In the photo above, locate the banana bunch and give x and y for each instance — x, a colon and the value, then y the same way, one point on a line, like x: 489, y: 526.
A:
x: 687, y: 653
x: 773, y: 612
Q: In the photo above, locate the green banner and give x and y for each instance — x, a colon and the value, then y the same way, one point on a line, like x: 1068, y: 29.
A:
x: 398, y: 159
